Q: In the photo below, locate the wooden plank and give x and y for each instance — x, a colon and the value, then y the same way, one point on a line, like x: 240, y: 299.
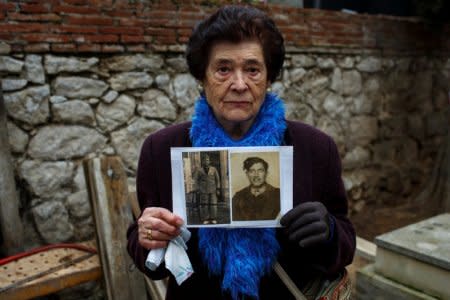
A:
x: 108, y: 193
x: 156, y: 288
x: 10, y: 222
x: 47, y: 272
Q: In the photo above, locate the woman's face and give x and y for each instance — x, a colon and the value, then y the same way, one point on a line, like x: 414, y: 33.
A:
x: 235, y: 83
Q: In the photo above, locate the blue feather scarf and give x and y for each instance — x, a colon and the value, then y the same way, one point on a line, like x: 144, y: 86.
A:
x: 242, y: 256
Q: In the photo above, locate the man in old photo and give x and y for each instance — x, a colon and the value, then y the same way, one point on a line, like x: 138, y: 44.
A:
x: 259, y: 200
x: 208, y: 181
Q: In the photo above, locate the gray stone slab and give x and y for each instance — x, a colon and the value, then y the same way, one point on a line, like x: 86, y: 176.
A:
x: 372, y: 286
x: 427, y: 241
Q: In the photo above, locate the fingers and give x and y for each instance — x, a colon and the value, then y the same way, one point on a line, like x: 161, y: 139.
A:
x: 310, y: 234
x: 313, y: 240
x: 298, y: 211
x: 157, y: 226
x: 163, y: 214
x: 303, y: 220
x: 307, y: 224
x: 151, y: 244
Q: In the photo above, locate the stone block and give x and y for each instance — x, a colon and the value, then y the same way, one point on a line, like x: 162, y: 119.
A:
x: 372, y: 286
x: 418, y: 255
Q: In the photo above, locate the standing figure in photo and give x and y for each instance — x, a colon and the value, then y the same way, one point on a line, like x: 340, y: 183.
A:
x: 208, y: 183
x: 236, y: 54
x: 259, y: 200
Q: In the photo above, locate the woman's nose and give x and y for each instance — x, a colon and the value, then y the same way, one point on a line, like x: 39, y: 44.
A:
x: 239, y: 83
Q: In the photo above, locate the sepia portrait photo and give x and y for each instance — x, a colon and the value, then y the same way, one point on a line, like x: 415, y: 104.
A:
x: 232, y: 187
x: 255, y: 186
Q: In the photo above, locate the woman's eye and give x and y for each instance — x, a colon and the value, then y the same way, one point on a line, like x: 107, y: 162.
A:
x: 253, y: 71
x: 223, y: 70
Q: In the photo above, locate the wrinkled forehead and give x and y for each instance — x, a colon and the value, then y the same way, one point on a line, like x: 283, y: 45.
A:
x: 248, y: 51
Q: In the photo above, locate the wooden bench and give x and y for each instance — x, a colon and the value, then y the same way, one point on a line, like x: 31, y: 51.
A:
x: 47, y: 270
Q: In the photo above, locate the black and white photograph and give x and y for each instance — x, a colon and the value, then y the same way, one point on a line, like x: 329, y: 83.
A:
x: 232, y: 187
x: 206, y: 187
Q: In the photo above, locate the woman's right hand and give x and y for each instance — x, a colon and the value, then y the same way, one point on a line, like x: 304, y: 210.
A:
x: 157, y: 226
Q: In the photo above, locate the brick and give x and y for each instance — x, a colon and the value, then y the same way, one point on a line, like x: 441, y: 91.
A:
x: 294, y: 29
x: 184, y: 32
x: 103, y: 38
x: 191, y: 8
x: 72, y: 9
x: 89, y: 48
x: 133, y: 22
x: 139, y: 23
x: 157, y: 31
x: 6, y: 36
x: 34, y: 8
x: 166, y: 40
x: 183, y: 39
x: 159, y: 22
x: 91, y: 20
x: 69, y: 47
x: 121, y: 14
x: 46, y: 37
x: 24, y: 27
x: 165, y: 6
x: 77, y: 2
x: 6, y: 7
x: 340, y: 26
x: 353, y: 35
x: 122, y: 30
x: 188, y: 23
x: 112, y: 48
x: 302, y: 41
x: 129, y: 6
x: 344, y: 41
x: 72, y: 29
x: 34, y: 17
x: 132, y: 39
x: 158, y: 14
x: 37, y: 47
x: 104, y: 3
x: 197, y: 15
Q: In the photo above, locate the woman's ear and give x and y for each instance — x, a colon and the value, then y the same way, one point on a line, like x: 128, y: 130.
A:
x: 200, y: 87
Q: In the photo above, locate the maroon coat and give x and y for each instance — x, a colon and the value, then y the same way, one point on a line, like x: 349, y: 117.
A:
x: 317, y: 177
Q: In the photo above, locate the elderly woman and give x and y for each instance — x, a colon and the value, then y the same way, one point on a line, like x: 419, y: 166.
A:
x: 236, y: 54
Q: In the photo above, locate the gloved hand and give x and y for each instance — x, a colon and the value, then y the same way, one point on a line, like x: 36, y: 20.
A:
x: 308, y: 224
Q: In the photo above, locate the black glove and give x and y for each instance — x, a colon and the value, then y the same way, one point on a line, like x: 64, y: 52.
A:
x: 308, y: 224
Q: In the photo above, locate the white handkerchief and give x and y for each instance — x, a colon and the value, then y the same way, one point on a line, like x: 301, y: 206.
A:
x: 175, y: 257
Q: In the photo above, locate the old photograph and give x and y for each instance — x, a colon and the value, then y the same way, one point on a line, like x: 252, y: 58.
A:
x: 206, y: 187
x: 232, y: 187
x: 255, y: 186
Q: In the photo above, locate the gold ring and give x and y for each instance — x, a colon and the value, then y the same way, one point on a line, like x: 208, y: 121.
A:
x: 149, y: 234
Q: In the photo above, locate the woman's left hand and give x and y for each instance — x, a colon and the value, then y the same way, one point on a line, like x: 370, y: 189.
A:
x: 307, y: 224
x: 157, y: 226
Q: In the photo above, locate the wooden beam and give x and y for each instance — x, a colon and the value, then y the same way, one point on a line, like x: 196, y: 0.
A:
x: 46, y: 272
x: 10, y: 222
x: 108, y: 193
x: 156, y: 288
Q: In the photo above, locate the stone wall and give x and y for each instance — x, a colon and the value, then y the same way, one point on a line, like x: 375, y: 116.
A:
x: 387, y: 115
